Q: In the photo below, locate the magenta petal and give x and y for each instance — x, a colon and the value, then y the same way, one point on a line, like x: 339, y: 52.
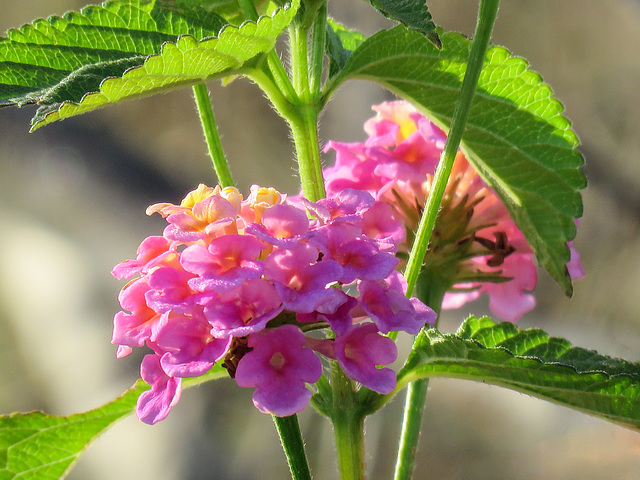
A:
x: 150, y: 251
x: 187, y: 347
x: 279, y: 365
x: 390, y: 309
x: 361, y: 350
x: 227, y: 262
x: 285, y: 221
x: 574, y: 266
x: 155, y: 404
x: 244, y: 310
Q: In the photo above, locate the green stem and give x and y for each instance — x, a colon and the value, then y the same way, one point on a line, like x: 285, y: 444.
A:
x: 298, y: 41
x: 208, y: 121
x: 303, y: 122
x: 411, y: 424
x: 317, y: 50
x: 430, y: 289
x: 304, y: 129
x: 417, y: 391
x: 293, y: 446
x: 486, y: 18
x: 348, y: 426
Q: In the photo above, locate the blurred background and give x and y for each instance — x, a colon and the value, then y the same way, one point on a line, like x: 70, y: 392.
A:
x: 74, y: 195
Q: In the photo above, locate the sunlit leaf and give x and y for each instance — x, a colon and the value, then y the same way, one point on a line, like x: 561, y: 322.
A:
x: 124, y: 50
x: 531, y: 362
x: 38, y: 446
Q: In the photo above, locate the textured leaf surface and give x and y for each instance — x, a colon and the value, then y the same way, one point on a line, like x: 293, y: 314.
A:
x: 531, y: 362
x: 124, y: 50
x: 341, y: 42
x: 516, y: 136
x: 37, y: 446
x: 412, y: 13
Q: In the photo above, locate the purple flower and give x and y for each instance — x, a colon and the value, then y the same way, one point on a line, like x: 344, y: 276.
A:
x: 279, y: 366
x: 187, y: 347
x: 391, y: 310
x: 358, y: 255
x: 301, y: 280
x: 244, y: 310
x: 361, y: 350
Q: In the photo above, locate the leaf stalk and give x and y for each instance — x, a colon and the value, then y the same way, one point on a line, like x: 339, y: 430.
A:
x: 210, y: 130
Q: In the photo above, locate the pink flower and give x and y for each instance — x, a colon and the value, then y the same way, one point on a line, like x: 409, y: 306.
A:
x: 151, y: 251
x: 279, y: 366
x: 133, y: 329
x: 238, y: 281
x: 475, y: 246
x: 244, y: 310
x: 155, y: 404
x: 225, y: 264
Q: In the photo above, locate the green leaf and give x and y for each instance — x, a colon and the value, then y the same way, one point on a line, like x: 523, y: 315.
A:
x: 516, y: 137
x: 37, y: 446
x: 229, y: 9
x: 412, y: 13
x: 340, y: 44
x: 124, y: 50
x: 531, y: 362
x: 38, y: 56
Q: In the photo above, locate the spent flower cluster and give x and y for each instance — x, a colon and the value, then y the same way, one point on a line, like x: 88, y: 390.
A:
x: 250, y: 282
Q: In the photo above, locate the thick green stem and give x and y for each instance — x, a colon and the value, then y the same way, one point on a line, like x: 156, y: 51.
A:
x: 304, y: 129
x: 208, y: 121
x: 293, y: 446
x: 416, y: 393
x: 348, y: 426
x: 304, y: 121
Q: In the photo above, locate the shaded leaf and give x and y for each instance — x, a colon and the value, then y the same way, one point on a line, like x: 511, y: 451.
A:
x: 341, y: 42
x: 412, y: 13
x: 516, y: 136
x: 531, y: 362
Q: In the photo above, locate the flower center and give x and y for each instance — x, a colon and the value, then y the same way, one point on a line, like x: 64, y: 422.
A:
x: 277, y: 361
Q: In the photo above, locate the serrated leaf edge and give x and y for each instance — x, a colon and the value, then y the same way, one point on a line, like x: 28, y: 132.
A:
x: 36, y: 124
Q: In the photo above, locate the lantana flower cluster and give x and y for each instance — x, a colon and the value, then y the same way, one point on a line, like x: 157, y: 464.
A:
x: 475, y: 248
x: 267, y: 286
